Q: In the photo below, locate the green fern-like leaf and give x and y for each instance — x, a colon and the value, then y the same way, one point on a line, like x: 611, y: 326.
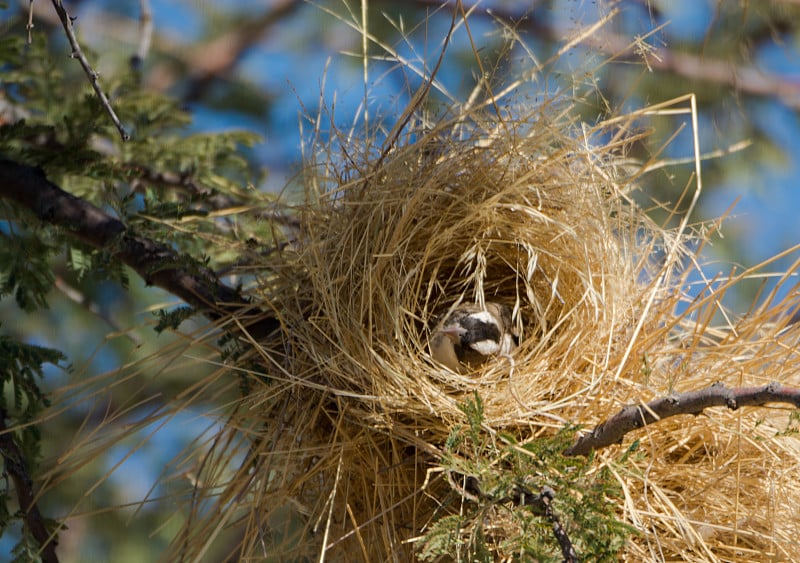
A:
x: 488, y: 470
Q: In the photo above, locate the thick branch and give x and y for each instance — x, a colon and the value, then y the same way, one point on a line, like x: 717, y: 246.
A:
x: 157, y: 263
x: 692, y: 402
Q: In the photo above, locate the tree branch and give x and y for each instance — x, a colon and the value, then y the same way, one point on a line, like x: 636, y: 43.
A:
x: 145, y: 34
x: 158, y: 264
x: 217, y: 57
x: 15, y: 466
x: 66, y: 22
x: 739, y: 77
x: 520, y: 496
x: 692, y: 402
x: 543, y: 503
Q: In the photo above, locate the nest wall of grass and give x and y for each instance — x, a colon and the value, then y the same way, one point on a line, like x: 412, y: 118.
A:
x: 517, y: 211
x: 532, y: 212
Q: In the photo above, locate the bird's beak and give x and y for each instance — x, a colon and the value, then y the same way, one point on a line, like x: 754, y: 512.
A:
x: 454, y: 333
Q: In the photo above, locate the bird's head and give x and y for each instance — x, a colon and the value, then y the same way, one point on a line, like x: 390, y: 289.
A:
x: 470, y: 334
x: 479, y: 330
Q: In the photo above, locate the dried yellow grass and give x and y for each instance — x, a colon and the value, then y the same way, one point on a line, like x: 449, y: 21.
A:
x: 350, y: 421
x: 347, y: 416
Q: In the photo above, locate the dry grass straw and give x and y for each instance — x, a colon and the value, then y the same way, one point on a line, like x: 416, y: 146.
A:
x: 532, y: 210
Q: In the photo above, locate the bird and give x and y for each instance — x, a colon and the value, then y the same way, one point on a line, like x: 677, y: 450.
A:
x: 470, y: 334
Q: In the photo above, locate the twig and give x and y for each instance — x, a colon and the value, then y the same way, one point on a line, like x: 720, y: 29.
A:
x: 168, y: 179
x: 470, y: 490
x: 567, y: 551
x: 158, y: 264
x: 66, y: 22
x: 213, y: 200
x: 29, y: 27
x: 84, y: 301
x: 692, y: 402
x: 748, y: 79
x: 543, y: 503
x: 15, y: 466
x: 145, y: 34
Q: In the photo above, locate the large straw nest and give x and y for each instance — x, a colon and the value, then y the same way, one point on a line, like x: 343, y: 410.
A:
x: 519, y: 212
x: 532, y: 212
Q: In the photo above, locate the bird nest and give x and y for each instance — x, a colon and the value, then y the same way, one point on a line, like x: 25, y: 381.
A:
x: 517, y: 212
x: 349, y: 416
